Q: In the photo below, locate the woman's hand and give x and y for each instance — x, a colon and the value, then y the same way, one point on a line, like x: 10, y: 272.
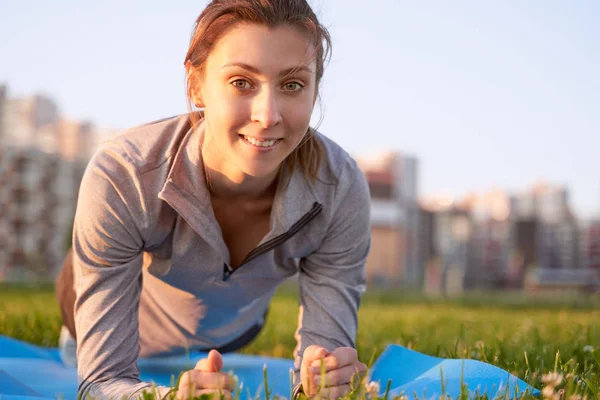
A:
x: 342, y: 369
x: 206, y: 378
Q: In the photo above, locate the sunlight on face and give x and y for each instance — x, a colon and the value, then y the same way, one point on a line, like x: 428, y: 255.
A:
x: 258, y: 90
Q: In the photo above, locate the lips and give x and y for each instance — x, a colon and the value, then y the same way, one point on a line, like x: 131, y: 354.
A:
x: 260, y: 142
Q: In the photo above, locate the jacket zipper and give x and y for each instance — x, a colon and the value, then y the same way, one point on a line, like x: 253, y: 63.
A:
x: 271, y: 244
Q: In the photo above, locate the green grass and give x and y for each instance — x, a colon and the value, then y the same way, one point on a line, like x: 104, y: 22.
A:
x: 30, y: 314
x: 527, y: 337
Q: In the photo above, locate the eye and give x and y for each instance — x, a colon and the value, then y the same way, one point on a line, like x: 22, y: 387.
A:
x: 293, y: 86
x: 241, y: 84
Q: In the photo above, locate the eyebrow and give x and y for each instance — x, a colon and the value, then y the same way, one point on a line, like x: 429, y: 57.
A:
x: 285, y: 72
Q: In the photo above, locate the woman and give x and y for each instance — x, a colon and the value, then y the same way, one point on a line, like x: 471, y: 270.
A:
x: 185, y: 226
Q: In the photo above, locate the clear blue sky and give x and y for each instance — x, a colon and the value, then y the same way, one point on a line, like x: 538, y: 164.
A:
x: 485, y: 94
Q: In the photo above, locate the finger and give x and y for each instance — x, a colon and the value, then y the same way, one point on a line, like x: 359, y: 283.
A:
x: 310, y: 354
x: 186, y: 385
x: 212, y: 380
x: 189, y: 389
x: 341, y: 376
x: 314, y: 353
x: 340, y: 357
x: 334, y: 392
x: 215, y: 394
x: 212, y: 363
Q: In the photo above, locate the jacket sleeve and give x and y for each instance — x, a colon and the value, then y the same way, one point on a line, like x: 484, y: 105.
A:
x: 333, y: 279
x: 107, y: 259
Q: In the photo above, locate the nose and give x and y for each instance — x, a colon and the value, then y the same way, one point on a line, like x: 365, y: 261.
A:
x: 265, y: 109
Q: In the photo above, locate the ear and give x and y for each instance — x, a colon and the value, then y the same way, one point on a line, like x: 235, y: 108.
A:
x: 193, y: 82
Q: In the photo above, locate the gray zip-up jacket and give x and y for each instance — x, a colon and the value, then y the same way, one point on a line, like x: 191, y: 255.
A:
x: 149, y: 257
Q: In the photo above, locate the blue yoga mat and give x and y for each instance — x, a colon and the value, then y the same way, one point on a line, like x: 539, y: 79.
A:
x: 29, y: 372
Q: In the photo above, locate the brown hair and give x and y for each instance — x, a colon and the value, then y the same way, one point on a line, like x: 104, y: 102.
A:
x: 221, y: 15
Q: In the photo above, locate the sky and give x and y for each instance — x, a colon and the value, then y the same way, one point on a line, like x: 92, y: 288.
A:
x: 485, y: 94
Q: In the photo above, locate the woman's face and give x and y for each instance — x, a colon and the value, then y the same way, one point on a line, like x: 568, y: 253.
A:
x: 258, y: 91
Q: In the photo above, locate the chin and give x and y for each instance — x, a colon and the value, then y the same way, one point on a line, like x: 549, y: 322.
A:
x: 259, y: 170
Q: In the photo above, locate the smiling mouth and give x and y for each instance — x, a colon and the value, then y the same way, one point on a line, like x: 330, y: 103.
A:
x: 260, y: 143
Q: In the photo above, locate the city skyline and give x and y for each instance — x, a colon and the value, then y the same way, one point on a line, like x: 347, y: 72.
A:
x: 484, y: 95
x: 374, y: 161
x: 502, y: 238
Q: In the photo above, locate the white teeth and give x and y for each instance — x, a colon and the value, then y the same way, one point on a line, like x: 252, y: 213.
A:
x: 259, y: 143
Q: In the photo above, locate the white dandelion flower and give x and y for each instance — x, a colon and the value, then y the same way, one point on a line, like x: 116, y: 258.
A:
x: 552, y: 379
x: 373, y: 388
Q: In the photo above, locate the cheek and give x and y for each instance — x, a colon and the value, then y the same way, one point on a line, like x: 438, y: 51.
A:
x: 297, y: 115
x: 225, y: 112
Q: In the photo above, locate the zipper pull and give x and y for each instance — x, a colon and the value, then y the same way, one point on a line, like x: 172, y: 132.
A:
x: 227, y: 271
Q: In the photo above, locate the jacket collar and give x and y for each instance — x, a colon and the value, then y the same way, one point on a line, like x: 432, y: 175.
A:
x: 186, y: 191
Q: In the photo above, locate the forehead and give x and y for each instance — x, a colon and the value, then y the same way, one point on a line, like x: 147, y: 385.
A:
x: 268, y: 49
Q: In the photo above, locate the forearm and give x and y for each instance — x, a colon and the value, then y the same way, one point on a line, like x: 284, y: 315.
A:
x: 119, y: 388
